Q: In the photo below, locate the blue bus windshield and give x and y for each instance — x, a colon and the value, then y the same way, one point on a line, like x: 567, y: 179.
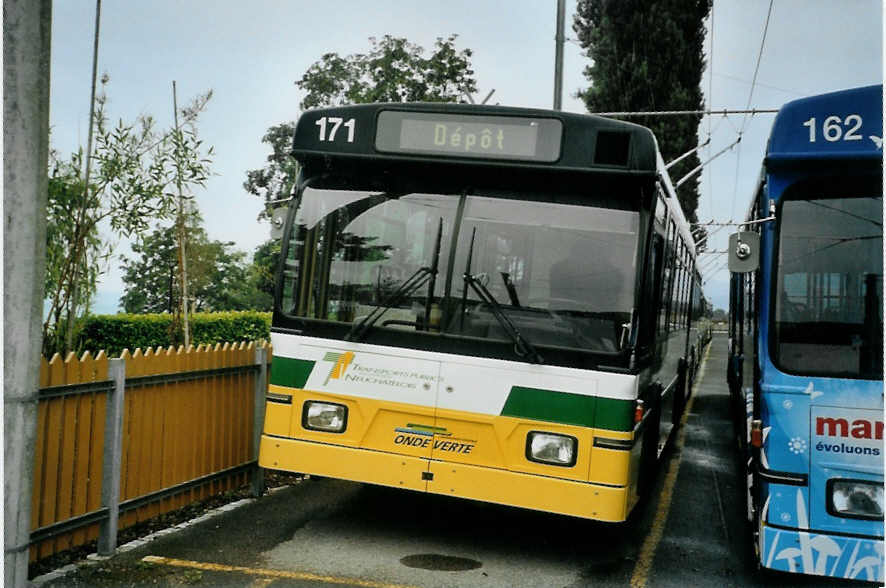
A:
x: 829, y: 299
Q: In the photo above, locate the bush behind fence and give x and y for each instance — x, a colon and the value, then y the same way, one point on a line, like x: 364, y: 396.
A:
x: 116, y: 332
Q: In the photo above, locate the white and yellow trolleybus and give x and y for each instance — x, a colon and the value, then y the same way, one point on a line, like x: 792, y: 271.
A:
x: 492, y: 303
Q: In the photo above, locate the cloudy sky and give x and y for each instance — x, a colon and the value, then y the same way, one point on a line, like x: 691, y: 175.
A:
x: 251, y: 53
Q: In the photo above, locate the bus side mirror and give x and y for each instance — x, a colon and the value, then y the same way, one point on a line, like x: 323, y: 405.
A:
x: 278, y: 220
x: 744, y: 252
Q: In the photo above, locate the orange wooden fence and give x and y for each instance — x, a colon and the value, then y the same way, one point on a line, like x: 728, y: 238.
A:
x: 188, y: 432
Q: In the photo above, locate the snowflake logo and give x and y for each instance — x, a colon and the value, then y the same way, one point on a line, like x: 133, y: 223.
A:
x: 797, y: 445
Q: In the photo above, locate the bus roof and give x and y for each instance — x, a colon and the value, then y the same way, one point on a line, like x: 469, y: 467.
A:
x: 840, y: 125
x: 475, y: 135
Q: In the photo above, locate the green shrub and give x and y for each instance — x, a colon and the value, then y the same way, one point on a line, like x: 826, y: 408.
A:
x: 116, y: 332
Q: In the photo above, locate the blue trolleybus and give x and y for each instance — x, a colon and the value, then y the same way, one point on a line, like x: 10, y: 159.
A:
x: 492, y: 303
x: 806, y: 340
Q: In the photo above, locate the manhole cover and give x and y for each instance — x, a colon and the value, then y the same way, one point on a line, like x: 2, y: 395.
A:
x: 440, y: 563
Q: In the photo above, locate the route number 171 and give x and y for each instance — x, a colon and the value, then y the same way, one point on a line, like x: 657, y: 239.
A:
x: 331, y: 124
x: 836, y: 129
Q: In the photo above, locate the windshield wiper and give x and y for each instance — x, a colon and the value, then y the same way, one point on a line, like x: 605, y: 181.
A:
x: 522, y: 347
x: 418, y: 279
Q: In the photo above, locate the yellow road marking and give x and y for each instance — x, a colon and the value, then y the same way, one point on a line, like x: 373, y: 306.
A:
x: 273, y: 574
x: 262, y: 582
x: 647, y: 553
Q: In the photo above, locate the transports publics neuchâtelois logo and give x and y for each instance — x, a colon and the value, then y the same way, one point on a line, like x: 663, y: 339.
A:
x: 341, y: 362
x: 415, y: 435
x: 347, y: 369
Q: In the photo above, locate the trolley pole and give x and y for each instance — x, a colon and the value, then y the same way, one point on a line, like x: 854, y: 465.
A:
x: 27, y: 26
x: 560, y: 39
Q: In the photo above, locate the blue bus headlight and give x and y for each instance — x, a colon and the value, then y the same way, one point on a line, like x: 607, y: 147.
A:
x: 855, y: 499
x: 324, y: 416
x: 550, y: 448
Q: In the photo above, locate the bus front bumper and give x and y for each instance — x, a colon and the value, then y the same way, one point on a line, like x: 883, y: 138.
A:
x: 808, y: 552
x: 555, y: 495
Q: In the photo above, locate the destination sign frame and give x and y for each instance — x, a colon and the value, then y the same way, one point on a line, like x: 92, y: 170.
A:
x: 516, y: 138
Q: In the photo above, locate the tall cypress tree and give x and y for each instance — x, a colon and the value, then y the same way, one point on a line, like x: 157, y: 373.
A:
x: 646, y: 55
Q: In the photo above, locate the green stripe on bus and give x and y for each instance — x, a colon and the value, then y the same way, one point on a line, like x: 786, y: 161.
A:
x: 290, y: 372
x: 569, y: 409
x: 614, y: 414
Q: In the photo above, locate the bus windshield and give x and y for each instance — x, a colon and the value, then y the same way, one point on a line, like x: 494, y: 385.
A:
x: 464, y: 265
x: 829, y: 302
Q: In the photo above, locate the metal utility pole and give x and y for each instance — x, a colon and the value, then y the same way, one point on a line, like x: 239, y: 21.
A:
x: 560, y: 39
x: 80, y: 243
x: 27, y: 26
x: 182, y: 257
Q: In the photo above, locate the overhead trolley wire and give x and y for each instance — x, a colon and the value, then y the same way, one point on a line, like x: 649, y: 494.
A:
x: 794, y: 93
x: 715, y: 271
x: 711, y: 97
x: 713, y: 264
x: 750, y: 99
x: 710, y: 234
x: 713, y: 223
x: 759, y: 59
x: 710, y: 262
x: 721, y: 111
x: 735, y: 181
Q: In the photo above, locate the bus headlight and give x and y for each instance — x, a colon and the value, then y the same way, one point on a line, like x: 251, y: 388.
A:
x: 551, y: 449
x: 855, y: 499
x: 324, y: 416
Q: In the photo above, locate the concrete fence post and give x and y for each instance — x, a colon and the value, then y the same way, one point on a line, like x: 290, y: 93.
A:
x: 27, y: 31
x: 258, y: 417
x: 113, y: 456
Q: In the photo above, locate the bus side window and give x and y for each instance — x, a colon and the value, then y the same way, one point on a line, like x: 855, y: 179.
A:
x: 677, y: 316
x: 662, y: 290
x: 670, y: 276
x: 652, y: 311
x: 687, y: 299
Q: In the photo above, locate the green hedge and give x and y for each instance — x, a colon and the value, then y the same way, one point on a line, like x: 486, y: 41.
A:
x: 116, y: 332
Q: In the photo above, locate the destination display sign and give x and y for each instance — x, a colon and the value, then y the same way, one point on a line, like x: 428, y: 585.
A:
x: 465, y: 135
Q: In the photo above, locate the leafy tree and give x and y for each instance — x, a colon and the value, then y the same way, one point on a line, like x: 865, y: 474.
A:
x: 133, y: 167
x: 276, y: 180
x: 221, y: 276
x: 218, y: 276
x: 151, y: 280
x: 393, y: 70
x: 646, y: 55
x: 66, y: 193
x: 263, y: 273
